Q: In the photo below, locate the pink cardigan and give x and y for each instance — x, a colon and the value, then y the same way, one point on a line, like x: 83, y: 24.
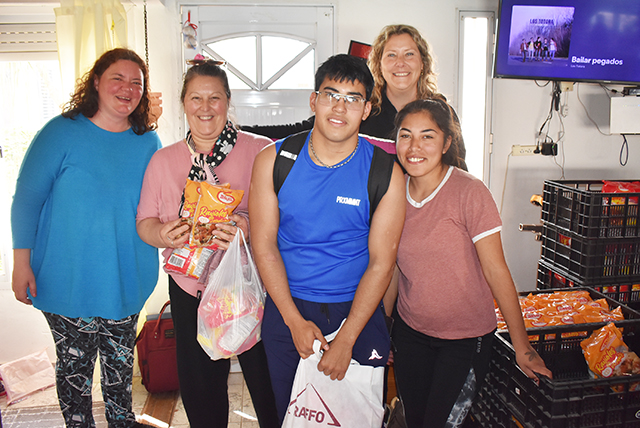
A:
x: 166, y: 176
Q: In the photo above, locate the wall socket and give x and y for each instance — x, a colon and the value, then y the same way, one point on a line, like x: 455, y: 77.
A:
x: 518, y: 150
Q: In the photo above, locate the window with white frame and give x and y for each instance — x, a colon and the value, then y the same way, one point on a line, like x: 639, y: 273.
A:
x: 271, y: 55
x: 30, y: 85
x: 262, y: 61
x: 475, y: 53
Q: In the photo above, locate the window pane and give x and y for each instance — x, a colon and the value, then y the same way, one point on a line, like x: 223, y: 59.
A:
x: 234, y: 81
x: 239, y: 51
x: 474, y: 81
x: 300, y: 76
x: 32, y: 94
x: 277, y: 52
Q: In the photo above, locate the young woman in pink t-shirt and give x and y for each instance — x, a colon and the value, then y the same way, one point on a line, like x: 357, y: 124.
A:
x: 450, y: 267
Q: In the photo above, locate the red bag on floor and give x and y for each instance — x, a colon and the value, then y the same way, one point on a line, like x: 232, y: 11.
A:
x: 157, y: 353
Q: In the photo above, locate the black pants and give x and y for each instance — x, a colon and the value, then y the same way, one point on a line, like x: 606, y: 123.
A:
x: 203, y: 382
x: 434, y: 375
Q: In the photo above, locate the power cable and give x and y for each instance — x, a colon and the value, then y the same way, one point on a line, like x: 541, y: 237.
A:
x: 625, y: 149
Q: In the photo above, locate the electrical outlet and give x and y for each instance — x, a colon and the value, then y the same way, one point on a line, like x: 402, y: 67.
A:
x: 518, y: 150
x: 566, y: 86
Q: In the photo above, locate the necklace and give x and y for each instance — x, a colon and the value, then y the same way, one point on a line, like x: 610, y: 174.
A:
x: 346, y: 161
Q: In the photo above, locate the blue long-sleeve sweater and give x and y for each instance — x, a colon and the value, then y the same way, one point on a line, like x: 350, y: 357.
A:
x: 75, y: 208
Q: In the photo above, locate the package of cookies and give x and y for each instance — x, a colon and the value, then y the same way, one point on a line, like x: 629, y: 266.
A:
x: 607, y: 354
x: 215, y: 205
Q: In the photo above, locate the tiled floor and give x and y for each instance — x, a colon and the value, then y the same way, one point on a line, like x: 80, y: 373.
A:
x: 41, y: 410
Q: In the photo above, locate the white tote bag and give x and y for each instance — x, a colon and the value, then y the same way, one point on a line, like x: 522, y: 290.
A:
x: 317, y: 401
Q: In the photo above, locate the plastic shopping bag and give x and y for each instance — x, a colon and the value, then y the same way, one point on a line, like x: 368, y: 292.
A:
x: 317, y: 401
x: 232, y: 306
x: 27, y: 375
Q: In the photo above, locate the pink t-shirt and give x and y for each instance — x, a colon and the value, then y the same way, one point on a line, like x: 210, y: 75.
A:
x: 442, y: 291
x: 388, y: 146
x: 167, y: 174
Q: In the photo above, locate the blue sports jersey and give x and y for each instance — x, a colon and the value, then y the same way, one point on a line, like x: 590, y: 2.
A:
x: 324, y: 226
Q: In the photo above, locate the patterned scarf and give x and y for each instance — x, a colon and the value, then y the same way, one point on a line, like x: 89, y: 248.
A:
x: 220, y: 150
x: 204, y: 164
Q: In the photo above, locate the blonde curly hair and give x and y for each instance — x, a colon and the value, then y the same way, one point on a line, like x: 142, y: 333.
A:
x: 427, y: 84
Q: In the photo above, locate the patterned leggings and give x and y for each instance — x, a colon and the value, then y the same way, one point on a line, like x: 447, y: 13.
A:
x: 78, y: 341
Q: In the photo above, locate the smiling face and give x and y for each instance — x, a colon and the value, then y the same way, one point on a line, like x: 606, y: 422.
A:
x: 401, y: 63
x: 120, y: 89
x: 206, y: 106
x: 421, y: 144
x: 337, y: 123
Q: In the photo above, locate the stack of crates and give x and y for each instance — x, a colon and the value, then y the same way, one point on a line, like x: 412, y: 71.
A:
x: 590, y: 239
x: 573, y: 398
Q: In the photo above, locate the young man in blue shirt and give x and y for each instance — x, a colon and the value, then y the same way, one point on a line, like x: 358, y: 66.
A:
x: 323, y: 258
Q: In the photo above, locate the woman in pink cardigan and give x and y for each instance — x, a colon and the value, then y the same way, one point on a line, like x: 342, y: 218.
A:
x: 216, y: 152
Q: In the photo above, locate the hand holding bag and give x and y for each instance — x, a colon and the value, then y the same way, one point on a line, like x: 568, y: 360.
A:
x: 232, y: 305
x: 317, y: 401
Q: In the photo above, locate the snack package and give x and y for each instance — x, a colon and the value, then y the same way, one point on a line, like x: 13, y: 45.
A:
x: 204, y: 205
x: 190, y: 203
x: 189, y: 261
x: 185, y: 260
x: 560, y: 308
x: 621, y: 187
x: 215, y: 204
x: 607, y: 355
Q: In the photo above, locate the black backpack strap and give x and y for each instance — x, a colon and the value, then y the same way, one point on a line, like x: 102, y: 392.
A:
x: 379, y: 172
x: 379, y: 177
x: 286, y: 157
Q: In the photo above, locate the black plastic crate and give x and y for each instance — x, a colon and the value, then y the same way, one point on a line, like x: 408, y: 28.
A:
x: 591, y: 260
x: 489, y: 411
x: 581, y: 207
x: 550, y: 277
x: 572, y: 398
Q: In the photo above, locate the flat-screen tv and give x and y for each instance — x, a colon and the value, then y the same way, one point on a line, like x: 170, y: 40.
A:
x: 569, y: 40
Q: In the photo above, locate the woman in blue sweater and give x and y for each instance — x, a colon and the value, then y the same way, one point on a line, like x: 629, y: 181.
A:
x: 77, y: 255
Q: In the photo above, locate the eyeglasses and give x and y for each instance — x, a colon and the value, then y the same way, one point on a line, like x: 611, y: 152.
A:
x: 352, y: 102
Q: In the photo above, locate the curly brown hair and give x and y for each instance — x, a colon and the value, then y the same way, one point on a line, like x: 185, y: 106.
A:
x: 427, y: 84
x: 85, y: 98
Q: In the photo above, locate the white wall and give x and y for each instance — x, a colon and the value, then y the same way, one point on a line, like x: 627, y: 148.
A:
x: 519, y: 109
